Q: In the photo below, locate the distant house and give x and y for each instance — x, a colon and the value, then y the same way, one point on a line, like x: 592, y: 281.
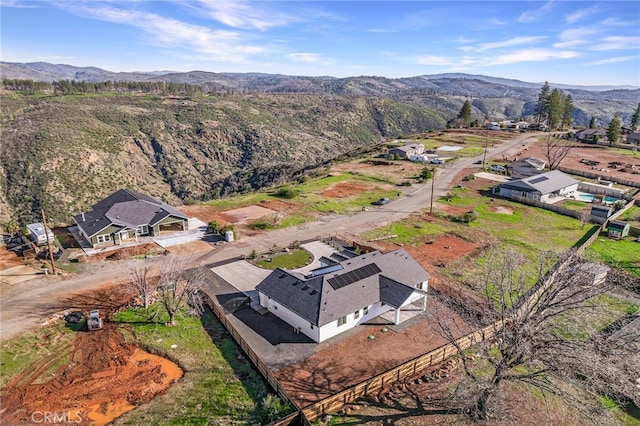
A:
x: 591, y: 135
x: 406, y: 150
x: 526, y: 167
x: 342, y: 294
x: 493, y: 126
x: 601, y: 211
x: 634, y: 138
x: 617, y: 229
x: 125, y: 215
x: 540, y: 187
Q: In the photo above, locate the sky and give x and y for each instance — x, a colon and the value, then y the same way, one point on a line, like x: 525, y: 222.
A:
x: 564, y: 42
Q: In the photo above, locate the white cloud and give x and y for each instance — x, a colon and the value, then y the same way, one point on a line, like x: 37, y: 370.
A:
x: 617, y: 43
x: 535, y: 15
x: 243, y: 15
x: 305, y: 57
x: 219, y: 45
x: 613, y: 60
x: 516, y: 41
x: 533, y: 55
x: 580, y: 14
x: 433, y: 60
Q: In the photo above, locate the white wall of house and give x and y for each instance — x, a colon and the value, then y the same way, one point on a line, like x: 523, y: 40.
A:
x: 509, y: 193
x: 290, y: 317
x: 333, y: 329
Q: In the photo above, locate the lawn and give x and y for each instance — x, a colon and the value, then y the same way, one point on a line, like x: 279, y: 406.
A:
x: 291, y: 260
x: 623, y: 254
x: 219, y: 386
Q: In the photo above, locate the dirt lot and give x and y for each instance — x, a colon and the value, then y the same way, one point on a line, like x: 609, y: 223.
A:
x: 394, y: 172
x: 106, y: 377
x: 345, y: 189
x: 597, y: 154
x: 342, y: 364
x: 9, y: 258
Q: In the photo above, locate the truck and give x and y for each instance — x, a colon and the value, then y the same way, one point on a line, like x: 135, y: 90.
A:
x: 94, y: 321
x: 37, y: 233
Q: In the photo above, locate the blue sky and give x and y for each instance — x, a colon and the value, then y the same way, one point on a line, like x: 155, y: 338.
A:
x: 570, y: 42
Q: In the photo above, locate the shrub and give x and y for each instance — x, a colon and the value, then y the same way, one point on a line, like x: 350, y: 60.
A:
x: 213, y: 227
x: 287, y: 192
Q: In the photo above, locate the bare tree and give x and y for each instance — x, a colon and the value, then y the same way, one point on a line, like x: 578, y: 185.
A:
x: 542, y: 335
x: 143, y: 284
x: 555, y: 150
x: 179, y: 287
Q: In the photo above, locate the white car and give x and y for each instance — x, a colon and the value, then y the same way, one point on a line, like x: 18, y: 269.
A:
x: 498, y: 168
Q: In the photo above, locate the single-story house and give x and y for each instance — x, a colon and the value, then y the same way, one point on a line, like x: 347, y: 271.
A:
x: 526, y: 167
x: 125, y: 215
x: 340, y: 295
x: 493, y: 126
x: 591, y: 135
x: 540, y: 187
x: 634, y: 138
x: 601, y: 211
x: 406, y: 150
x: 617, y: 229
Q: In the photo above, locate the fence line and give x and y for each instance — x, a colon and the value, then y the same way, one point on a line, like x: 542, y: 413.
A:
x: 596, y: 176
x: 557, y: 209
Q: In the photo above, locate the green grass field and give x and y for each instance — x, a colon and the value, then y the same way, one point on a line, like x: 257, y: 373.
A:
x: 623, y: 254
x: 219, y: 384
x: 291, y: 260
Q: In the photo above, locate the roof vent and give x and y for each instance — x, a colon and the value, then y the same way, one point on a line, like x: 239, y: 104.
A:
x: 313, y: 292
x: 306, y: 287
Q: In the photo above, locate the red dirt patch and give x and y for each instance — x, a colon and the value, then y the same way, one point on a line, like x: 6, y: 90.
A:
x: 205, y: 213
x: 106, y: 377
x: 345, y: 189
x: 9, y: 258
x: 441, y: 251
x: 342, y: 364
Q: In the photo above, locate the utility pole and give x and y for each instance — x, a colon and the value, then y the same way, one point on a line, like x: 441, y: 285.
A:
x: 433, y: 182
x: 486, y: 142
x: 46, y: 233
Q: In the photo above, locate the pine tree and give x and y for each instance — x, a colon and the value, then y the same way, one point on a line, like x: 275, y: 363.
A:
x: 635, y: 118
x: 613, y: 132
x: 465, y: 114
x: 567, y: 111
x: 555, y: 109
x: 542, y: 106
x: 592, y: 123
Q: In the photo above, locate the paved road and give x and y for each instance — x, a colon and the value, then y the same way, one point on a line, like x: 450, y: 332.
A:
x: 25, y: 305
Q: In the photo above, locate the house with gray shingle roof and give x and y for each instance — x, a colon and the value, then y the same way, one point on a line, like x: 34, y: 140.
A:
x: 406, y: 151
x: 125, y: 215
x: 339, y: 296
x: 540, y: 187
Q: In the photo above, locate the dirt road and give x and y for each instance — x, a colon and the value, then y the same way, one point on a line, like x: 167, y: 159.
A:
x: 28, y: 304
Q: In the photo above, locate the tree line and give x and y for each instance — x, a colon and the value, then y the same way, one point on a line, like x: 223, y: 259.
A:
x: 67, y: 87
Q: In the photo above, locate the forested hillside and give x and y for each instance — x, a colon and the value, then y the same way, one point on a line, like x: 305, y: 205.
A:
x: 63, y: 152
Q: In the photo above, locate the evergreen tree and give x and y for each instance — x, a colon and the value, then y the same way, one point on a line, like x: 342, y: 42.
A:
x: 613, y: 132
x: 465, y: 114
x: 542, y: 106
x: 555, y: 110
x: 592, y: 123
x: 567, y: 111
x: 635, y: 118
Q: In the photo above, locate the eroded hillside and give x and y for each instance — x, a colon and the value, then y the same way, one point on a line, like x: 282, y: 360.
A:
x: 65, y: 152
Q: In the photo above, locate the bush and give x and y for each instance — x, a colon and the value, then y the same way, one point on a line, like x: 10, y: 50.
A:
x: 213, y: 227
x: 287, y: 192
x: 273, y: 408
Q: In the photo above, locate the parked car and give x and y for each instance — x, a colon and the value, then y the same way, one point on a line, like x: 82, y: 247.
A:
x: 381, y: 201
x: 477, y: 162
x: 436, y: 161
x: 498, y: 168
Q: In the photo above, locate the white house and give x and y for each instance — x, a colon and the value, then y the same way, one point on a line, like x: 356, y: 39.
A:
x: 406, y: 150
x: 38, y: 235
x: 540, y: 187
x: 340, y: 295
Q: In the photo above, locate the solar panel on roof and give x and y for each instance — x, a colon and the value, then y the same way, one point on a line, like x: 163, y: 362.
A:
x: 538, y: 180
x: 354, y: 276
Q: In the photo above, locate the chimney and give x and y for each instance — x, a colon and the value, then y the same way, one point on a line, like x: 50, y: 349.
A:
x: 83, y: 216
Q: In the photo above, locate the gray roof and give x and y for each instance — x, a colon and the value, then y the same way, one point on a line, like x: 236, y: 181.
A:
x: 125, y: 209
x: 543, y: 183
x: 364, y: 280
x: 615, y: 224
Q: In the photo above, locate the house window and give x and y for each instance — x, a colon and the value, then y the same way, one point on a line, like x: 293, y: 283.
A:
x: 356, y: 314
x: 366, y: 310
x: 420, y: 286
x: 142, y: 230
x: 103, y: 238
x: 342, y: 320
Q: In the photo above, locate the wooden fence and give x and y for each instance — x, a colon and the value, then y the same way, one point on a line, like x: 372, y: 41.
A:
x: 626, y: 182
x: 408, y: 369
x: 557, y: 209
